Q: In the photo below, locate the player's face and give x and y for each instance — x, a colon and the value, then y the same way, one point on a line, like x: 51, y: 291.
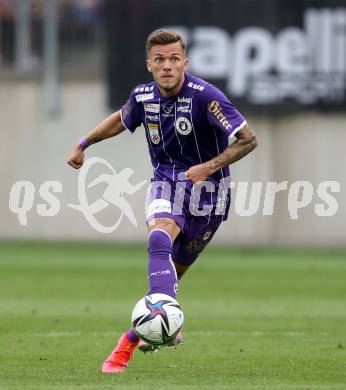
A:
x: 167, y: 63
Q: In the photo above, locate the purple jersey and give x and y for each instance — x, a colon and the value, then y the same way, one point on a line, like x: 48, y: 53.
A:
x: 183, y: 130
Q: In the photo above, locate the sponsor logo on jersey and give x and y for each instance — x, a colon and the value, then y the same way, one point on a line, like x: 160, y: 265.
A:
x: 183, y: 109
x: 153, y: 118
x: 183, y: 126
x: 144, y: 89
x: 154, y: 133
x: 144, y: 96
x: 184, y: 100
x: 206, y: 235
x: 214, y: 108
x: 168, y: 108
x: 158, y: 206
x: 195, y: 86
x: 151, y: 107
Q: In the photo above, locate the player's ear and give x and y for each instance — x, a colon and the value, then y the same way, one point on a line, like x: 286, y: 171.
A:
x: 148, y: 65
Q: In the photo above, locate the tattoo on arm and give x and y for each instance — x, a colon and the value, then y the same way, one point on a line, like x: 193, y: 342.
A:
x: 245, y: 143
x: 95, y: 136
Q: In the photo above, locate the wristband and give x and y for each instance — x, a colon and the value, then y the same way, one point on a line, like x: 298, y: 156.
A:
x: 83, y: 143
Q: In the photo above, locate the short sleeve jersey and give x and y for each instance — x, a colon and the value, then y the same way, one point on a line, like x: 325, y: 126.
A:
x: 183, y: 130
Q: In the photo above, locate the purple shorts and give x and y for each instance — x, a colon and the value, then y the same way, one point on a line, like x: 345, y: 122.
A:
x: 191, y: 242
x: 176, y: 200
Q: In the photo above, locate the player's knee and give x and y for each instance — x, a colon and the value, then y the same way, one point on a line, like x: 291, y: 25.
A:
x: 167, y: 224
x: 159, y: 239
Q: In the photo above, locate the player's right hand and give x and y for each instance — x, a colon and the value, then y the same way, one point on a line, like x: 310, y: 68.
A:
x: 76, y: 157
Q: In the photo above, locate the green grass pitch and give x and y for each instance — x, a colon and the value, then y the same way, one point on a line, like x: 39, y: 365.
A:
x: 254, y: 319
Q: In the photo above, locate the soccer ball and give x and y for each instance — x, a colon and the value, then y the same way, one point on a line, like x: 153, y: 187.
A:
x: 157, y: 319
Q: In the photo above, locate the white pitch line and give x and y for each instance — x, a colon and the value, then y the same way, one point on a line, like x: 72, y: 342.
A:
x: 193, y: 333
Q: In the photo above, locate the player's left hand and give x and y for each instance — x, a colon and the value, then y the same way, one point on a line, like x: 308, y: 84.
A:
x: 199, y: 172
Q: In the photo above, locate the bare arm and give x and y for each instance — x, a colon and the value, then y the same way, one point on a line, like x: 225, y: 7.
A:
x: 108, y: 128
x: 245, y: 143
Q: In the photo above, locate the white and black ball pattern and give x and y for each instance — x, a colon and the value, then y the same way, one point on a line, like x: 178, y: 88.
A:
x: 157, y: 319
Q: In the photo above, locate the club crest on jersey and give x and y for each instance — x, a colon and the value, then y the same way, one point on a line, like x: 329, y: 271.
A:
x: 183, y: 126
x: 154, y: 133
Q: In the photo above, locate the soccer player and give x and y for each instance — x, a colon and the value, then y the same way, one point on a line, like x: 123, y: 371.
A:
x: 188, y: 123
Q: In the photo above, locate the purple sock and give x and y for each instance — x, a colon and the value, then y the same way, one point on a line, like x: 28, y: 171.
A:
x: 161, y: 271
x: 131, y: 335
